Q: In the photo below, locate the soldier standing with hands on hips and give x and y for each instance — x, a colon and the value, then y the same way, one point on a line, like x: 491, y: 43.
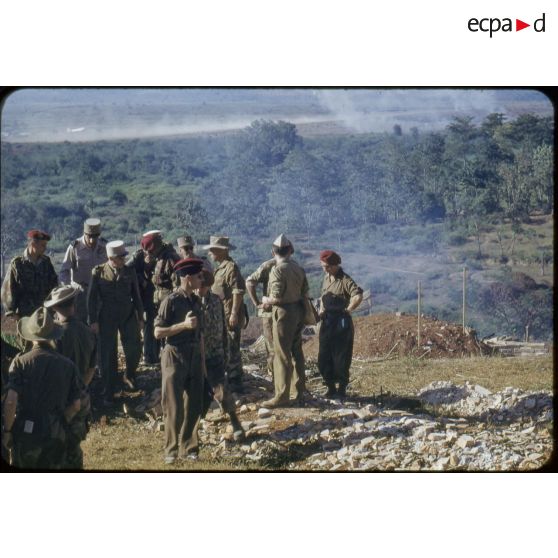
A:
x: 340, y: 296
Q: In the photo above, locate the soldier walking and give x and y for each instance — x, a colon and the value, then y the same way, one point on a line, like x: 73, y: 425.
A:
x: 230, y: 287
x: 180, y: 321
x: 43, y: 396
x: 82, y: 255
x: 114, y: 306
x: 30, y: 277
x: 216, y: 350
x: 340, y: 296
x: 79, y: 344
x: 287, y: 288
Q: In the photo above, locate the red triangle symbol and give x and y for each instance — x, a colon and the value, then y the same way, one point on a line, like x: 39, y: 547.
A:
x: 519, y: 25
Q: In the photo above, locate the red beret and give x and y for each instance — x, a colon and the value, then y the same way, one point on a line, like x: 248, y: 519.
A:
x: 188, y: 266
x: 149, y: 241
x: 330, y: 257
x: 36, y: 234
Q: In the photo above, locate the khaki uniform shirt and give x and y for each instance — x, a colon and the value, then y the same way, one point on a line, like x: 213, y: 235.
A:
x: 337, y: 291
x: 215, y: 329
x: 80, y: 260
x: 27, y: 284
x: 78, y: 344
x: 174, y: 309
x: 261, y: 275
x: 228, y: 281
x: 45, y: 381
x: 113, y: 291
x: 287, y: 282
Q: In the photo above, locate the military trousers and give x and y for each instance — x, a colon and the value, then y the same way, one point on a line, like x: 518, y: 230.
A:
x: 288, y: 379
x: 151, y: 346
x: 234, y: 367
x: 110, y: 325
x: 267, y: 325
x: 336, y: 348
x: 45, y: 455
x: 182, y: 397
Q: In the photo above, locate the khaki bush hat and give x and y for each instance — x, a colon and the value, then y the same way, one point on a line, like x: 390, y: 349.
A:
x: 61, y: 294
x: 220, y: 242
x: 92, y: 226
x: 282, y: 241
x: 40, y: 326
x: 185, y: 240
x: 116, y: 248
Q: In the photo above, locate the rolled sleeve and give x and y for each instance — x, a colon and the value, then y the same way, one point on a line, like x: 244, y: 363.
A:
x: 236, y: 281
x: 164, y: 316
x: 352, y: 288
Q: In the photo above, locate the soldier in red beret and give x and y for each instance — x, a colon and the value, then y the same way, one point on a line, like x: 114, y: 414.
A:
x: 180, y: 321
x: 340, y: 296
x: 30, y: 277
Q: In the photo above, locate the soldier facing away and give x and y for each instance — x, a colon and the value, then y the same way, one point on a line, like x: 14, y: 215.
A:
x: 82, y: 255
x: 79, y: 344
x: 43, y: 396
x: 114, y: 306
x: 180, y: 321
x: 230, y: 287
x: 340, y: 296
x: 287, y: 288
x: 30, y: 277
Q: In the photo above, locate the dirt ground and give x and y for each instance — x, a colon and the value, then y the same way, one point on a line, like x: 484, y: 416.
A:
x: 390, y: 335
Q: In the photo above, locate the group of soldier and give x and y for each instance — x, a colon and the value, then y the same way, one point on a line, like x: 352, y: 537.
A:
x: 191, y: 314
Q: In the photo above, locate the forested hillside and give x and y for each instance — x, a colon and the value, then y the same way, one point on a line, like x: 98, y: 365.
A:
x: 404, y: 193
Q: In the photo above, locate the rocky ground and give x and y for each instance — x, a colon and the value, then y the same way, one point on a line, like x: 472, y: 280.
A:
x: 444, y: 426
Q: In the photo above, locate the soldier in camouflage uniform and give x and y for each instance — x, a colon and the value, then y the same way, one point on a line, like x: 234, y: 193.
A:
x: 144, y: 265
x: 340, y: 296
x: 82, y: 255
x: 164, y: 255
x: 43, y: 397
x: 30, y: 278
x: 230, y: 287
x: 114, y: 306
x: 216, y: 350
x: 180, y: 321
x: 79, y: 344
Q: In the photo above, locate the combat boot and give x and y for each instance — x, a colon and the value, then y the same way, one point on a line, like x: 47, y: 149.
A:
x: 331, y: 392
x: 342, y: 391
x: 238, y: 432
x: 128, y: 382
x: 273, y: 403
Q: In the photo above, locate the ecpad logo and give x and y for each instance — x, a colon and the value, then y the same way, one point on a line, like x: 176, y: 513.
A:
x: 493, y: 25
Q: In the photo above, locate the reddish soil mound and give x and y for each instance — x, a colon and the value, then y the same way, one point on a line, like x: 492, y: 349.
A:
x: 380, y: 335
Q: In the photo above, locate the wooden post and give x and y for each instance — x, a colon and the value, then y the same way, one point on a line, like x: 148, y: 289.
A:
x: 526, y: 334
x: 464, y: 297
x: 418, y: 313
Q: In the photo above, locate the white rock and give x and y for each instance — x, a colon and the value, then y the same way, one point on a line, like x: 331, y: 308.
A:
x: 465, y: 441
x: 264, y: 413
x: 436, y: 436
x: 367, y: 441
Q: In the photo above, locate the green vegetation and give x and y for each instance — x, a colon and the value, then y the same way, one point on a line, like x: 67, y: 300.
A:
x: 468, y: 195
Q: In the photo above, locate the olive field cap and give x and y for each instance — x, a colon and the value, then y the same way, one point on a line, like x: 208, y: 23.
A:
x: 61, y: 294
x: 40, y: 326
x: 219, y: 242
x: 92, y: 226
x: 282, y: 241
x: 185, y: 240
x: 116, y: 248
